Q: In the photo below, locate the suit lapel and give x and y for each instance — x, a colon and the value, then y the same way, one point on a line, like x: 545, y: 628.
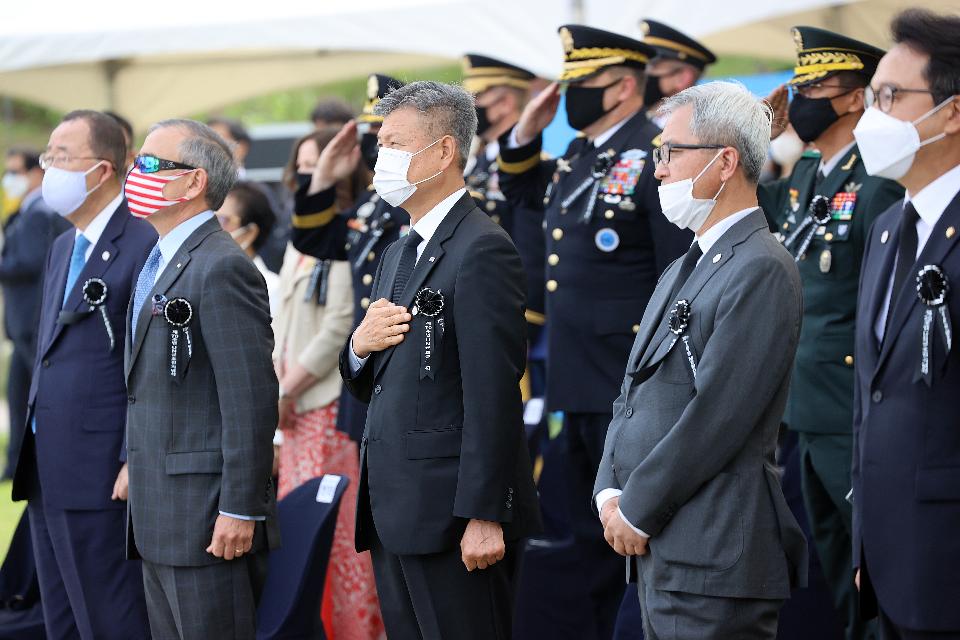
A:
x: 58, y: 280
x: 171, y: 272
x: 934, y: 252
x: 656, y: 308
x: 713, y: 260
x: 429, y: 259
x: 876, y: 281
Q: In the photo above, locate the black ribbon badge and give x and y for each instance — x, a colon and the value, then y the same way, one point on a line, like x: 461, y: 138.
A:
x: 678, y: 322
x: 95, y: 295
x: 932, y: 289
x: 818, y: 215
x: 178, y: 313
x: 429, y: 303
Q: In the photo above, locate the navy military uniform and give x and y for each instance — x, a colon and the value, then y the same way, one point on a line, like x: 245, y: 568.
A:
x: 524, y: 224
x: 359, y: 235
x: 824, y: 221
x: 606, y: 244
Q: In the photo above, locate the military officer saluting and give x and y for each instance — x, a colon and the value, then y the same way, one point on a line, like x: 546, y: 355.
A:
x: 606, y: 243
x: 822, y: 213
x: 501, y: 90
x: 359, y: 234
x: 680, y: 63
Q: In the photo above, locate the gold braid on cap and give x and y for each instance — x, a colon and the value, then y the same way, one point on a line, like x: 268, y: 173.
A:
x: 588, y: 60
x: 813, y: 65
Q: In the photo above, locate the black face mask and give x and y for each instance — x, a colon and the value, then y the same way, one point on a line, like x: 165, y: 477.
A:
x: 303, y: 179
x: 585, y: 105
x: 369, y: 149
x: 810, y: 117
x: 483, y: 122
x: 652, y: 94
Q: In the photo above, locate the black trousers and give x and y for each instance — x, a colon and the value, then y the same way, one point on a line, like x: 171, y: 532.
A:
x: 434, y: 597
x: 890, y: 631
x: 600, y: 567
x: 18, y: 395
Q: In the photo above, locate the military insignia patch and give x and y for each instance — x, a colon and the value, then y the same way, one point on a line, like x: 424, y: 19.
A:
x: 794, y: 199
x: 842, y: 206
x: 623, y: 177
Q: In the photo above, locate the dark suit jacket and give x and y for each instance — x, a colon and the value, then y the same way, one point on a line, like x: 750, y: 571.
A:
x: 440, y: 451
x: 28, y: 237
x: 694, y: 453
x: 78, y: 394
x: 906, y: 461
x: 202, y: 444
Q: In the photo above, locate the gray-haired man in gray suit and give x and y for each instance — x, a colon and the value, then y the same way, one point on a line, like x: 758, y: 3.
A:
x: 202, y: 397
x: 687, y: 488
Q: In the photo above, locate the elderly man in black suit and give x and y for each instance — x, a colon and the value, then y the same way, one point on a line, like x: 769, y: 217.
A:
x: 446, y: 489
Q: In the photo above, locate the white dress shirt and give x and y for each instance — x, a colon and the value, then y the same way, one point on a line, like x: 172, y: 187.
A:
x: 95, y: 229
x: 425, y: 227
x: 706, y: 242
x: 930, y: 203
x: 601, y: 139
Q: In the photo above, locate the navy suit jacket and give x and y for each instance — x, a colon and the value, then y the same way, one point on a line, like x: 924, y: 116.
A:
x: 29, y: 235
x: 78, y: 393
x: 906, y: 466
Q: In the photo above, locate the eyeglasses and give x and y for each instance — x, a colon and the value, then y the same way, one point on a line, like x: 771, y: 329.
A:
x: 51, y: 159
x: 886, y: 95
x: 807, y: 89
x: 661, y: 155
x: 152, y: 164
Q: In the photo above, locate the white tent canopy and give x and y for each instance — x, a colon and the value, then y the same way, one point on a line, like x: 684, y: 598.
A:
x: 149, y: 61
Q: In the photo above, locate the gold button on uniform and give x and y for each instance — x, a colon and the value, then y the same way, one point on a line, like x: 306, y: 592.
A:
x: 608, y: 214
x: 553, y: 259
x: 828, y: 237
x: 557, y: 234
x: 848, y: 360
x: 551, y: 285
x: 368, y: 279
x: 371, y: 256
x: 364, y: 303
x: 636, y: 328
x: 786, y: 225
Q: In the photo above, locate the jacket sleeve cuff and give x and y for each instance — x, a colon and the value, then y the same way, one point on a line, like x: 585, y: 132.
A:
x: 316, y: 210
x: 518, y: 159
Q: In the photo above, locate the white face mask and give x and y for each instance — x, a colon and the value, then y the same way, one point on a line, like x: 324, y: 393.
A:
x: 15, y: 185
x: 390, y: 174
x: 681, y: 208
x: 236, y: 234
x: 64, y: 191
x: 889, y: 145
x: 786, y: 148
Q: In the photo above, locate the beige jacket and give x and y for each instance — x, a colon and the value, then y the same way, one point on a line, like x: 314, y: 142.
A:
x: 313, y: 334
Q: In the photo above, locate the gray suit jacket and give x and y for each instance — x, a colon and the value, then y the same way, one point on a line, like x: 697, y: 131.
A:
x: 202, y: 443
x: 694, y: 454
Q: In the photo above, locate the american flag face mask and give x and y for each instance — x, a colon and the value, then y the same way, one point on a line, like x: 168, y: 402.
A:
x: 144, y: 192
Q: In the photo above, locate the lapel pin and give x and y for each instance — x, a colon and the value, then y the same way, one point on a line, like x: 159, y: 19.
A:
x: 950, y: 232
x: 106, y: 254
x: 179, y: 264
x: 716, y: 258
x: 884, y: 237
x: 432, y: 258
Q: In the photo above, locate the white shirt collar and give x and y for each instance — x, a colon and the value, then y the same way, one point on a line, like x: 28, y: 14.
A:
x: 714, y: 233
x: 931, y: 201
x: 95, y: 229
x: 827, y: 166
x: 171, y: 243
x: 601, y: 139
x: 427, y: 225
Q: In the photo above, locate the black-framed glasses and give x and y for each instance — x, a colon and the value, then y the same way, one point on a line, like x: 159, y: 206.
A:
x: 152, y: 164
x: 661, y: 155
x: 886, y: 96
x: 58, y: 159
x: 806, y: 89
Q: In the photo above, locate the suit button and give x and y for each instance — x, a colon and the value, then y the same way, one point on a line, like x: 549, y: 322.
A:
x: 877, y: 396
x: 377, y: 389
x: 45, y: 363
x: 509, y: 505
x: 629, y: 411
x: 131, y: 399
x: 848, y: 360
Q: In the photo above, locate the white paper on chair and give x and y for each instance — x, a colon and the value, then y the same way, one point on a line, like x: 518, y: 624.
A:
x: 328, y: 488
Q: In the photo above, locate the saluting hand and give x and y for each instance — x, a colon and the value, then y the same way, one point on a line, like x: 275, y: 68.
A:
x: 382, y: 328
x: 337, y: 160
x: 538, y: 113
x: 779, y: 102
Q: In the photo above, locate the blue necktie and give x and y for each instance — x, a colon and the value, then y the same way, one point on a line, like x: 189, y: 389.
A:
x: 145, y: 282
x: 77, y: 259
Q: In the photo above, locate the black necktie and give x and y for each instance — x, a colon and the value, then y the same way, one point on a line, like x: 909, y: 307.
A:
x: 818, y: 180
x: 408, y: 260
x: 906, y: 256
x: 686, y: 268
